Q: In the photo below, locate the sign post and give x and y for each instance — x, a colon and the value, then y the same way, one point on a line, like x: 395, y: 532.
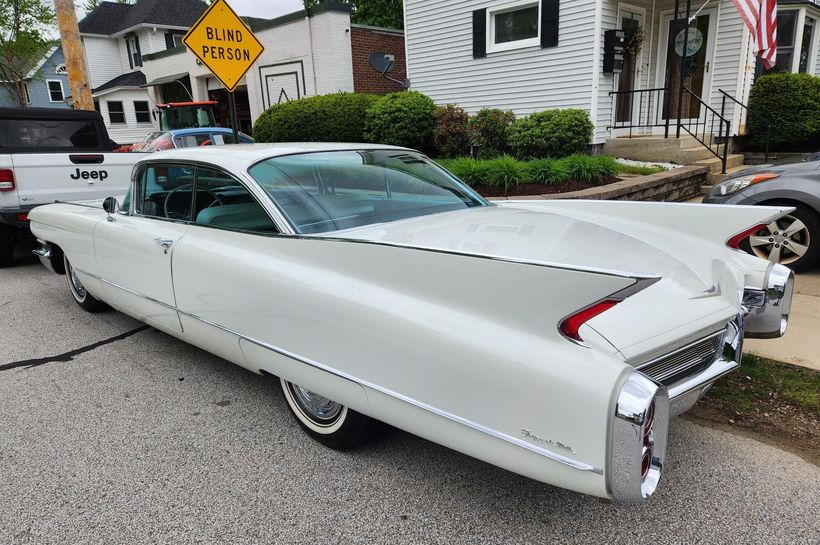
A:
x: 227, y: 47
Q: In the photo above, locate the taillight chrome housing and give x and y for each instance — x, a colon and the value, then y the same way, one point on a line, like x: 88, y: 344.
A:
x: 639, y: 429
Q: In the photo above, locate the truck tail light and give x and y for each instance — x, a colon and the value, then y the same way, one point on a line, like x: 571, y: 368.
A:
x: 571, y: 324
x: 6, y: 179
x: 734, y: 242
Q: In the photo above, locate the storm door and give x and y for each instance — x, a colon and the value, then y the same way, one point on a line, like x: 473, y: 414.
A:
x: 696, y: 70
x: 626, y: 105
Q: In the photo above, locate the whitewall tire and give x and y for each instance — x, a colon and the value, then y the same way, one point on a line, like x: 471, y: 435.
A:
x: 86, y: 301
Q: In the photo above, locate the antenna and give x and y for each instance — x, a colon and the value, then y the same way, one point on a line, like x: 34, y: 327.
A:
x: 383, y: 63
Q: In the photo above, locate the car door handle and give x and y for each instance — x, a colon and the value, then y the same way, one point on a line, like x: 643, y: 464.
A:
x: 165, y: 243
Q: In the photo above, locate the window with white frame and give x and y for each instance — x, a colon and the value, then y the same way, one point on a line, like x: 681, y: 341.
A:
x: 513, y: 25
x: 796, y: 35
x: 141, y: 111
x: 116, y: 113
x: 55, y: 90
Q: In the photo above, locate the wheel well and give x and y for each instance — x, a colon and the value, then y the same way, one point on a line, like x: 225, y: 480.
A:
x: 57, y: 258
x: 789, y: 202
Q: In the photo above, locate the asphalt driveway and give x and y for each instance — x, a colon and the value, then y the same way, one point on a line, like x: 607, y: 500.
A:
x: 114, y: 433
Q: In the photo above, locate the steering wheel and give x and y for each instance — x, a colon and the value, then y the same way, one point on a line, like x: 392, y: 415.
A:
x: 177, y: 215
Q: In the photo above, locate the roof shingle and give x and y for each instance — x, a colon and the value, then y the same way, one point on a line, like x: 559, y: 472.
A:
x: 110, y: 17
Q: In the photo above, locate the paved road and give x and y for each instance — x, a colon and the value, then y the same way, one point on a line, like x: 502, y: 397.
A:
x: 147, y: 440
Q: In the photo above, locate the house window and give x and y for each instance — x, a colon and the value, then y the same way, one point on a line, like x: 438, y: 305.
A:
x: 809, y: 30
x: 513, y: 25
x: 132, y: 45
x: 115, y: 112
x: 55, y: 90
x: 172, y: 40
x: 786, y: 23
x: 141, y: 111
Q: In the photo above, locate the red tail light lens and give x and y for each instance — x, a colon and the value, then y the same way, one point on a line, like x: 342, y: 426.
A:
x: 22, y: 217
x: 6, y: 179
x: 734, y: 242
x: 570, y: 326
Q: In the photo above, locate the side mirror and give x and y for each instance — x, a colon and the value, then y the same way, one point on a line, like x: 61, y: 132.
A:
x: 110, y: 206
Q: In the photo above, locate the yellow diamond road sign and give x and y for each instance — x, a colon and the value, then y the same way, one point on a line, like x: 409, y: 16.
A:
x: 224, y: 43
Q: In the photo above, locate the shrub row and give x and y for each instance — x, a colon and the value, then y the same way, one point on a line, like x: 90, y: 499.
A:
x: 411, y: 119
x: 506, y: 171
x: 792, y: 103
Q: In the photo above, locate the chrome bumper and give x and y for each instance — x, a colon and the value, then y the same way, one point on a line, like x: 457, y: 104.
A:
x: 767, y: 310
x: 46, y: 255
x: 685, y: 393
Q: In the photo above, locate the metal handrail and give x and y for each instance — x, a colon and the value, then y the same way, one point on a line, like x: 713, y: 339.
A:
x: 722, y: 137
x: 757, y: 114
x: 650, y: 119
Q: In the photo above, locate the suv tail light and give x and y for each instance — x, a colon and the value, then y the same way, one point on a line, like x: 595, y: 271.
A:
x: 6, y: 179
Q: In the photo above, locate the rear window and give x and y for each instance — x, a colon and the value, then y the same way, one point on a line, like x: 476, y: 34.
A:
x: 62, y: 134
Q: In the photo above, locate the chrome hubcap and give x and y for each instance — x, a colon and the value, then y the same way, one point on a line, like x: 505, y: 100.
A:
x: 316, y: 407
x: 783, y: 241
x: 78, y: 287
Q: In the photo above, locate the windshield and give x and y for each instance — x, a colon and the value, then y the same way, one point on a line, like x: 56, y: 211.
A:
x: 186, y: 117
x: 330, y: 191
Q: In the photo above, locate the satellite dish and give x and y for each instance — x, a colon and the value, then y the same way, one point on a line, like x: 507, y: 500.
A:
x: 381, y: 62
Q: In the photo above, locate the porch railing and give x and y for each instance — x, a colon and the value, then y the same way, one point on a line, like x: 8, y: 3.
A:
x: 766, y: 121
x: 709, y: 127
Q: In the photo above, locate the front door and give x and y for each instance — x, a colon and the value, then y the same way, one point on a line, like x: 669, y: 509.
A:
x: 134, y: 251
x: 694, y: 71
x: 630, y: 20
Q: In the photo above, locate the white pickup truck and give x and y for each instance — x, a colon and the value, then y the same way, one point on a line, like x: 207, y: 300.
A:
x: 48, y: 155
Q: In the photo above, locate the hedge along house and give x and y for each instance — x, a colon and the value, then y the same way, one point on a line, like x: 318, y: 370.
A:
x: 532, y: 55
x: 306, y: 53
x: 45, y: 83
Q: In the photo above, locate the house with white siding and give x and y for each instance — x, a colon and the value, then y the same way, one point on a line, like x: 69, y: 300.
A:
x: 533, y: 55
x: 115, y: 38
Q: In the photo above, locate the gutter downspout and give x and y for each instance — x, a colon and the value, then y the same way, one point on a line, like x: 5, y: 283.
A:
x: 596, y: 65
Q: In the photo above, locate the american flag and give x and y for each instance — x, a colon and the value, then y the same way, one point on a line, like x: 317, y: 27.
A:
x: 761, y: 18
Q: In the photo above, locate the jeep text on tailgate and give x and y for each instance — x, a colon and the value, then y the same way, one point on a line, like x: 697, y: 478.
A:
x: 49, y: 155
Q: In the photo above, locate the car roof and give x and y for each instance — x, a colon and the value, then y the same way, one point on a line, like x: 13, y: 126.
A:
x: 49, y: 113
x: 240, y: 156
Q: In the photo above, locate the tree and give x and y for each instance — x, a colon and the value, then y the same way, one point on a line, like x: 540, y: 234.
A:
x: 383, y: 13
x: 23, y: 24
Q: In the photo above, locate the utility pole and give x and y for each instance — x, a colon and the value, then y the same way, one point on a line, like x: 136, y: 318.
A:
x: 74, y: 55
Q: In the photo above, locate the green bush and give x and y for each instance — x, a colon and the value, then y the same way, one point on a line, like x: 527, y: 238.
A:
x: 506, y: 172
x: 450, y: 134
x: 551, y: 133
x: 548, y: 171
x: 401, y: 119
x: 792, y: 103
x: 488, y: 131
x: 471, y: 171
x: 588, y: 168
x: 324, y: 118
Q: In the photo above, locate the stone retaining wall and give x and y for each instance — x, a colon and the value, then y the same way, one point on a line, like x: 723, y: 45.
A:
x: 676, y: 185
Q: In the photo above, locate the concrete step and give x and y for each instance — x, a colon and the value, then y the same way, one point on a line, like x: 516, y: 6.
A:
x: 717, y: 177
x: 716, y: 165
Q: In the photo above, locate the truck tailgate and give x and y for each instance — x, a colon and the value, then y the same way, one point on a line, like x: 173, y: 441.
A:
x: 42, y: 178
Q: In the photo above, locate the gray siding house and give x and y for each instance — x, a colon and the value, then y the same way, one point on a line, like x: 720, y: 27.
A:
x: 532, y: 55
x: 46, y: 84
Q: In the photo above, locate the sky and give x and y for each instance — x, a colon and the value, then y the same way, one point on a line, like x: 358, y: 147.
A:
x: 265, y: 9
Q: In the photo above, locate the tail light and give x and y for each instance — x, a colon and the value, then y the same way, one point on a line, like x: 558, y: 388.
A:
x: 6, y: 179
x: 22, y: 217
x: 571, y: 324
x: 734, y: 242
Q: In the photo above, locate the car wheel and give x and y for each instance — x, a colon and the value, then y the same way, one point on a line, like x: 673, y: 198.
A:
x: 332, y: 424
x: 6, y: 248
x: 87, y: 301
x: 793, y: 240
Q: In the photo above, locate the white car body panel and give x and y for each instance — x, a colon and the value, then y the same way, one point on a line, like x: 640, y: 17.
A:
x: 408, y: 321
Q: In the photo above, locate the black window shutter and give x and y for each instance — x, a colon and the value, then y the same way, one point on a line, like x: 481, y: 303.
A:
x: 138, y: 59
x: 479, y: 33
x: 169, y: 40
x: 128, y: 48
x: 549, y: 23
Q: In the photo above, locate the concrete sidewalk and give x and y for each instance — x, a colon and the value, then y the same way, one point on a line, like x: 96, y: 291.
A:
x: 801, y: 343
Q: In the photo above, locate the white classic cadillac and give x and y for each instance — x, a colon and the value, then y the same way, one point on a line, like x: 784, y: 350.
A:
x: 551, y: 338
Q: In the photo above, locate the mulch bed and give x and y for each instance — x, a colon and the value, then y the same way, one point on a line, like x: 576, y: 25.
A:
x: 539, y: 189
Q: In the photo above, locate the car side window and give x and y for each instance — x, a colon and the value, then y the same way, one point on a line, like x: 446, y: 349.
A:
x: 194, y: 140
x: 224, y: 203
x: 164, y: 191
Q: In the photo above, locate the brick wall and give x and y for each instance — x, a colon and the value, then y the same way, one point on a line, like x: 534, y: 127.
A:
x: 365, y: 40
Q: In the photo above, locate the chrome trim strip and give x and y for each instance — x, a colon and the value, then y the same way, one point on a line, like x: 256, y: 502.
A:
x: 640, y: 366
x: 581, y: 466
